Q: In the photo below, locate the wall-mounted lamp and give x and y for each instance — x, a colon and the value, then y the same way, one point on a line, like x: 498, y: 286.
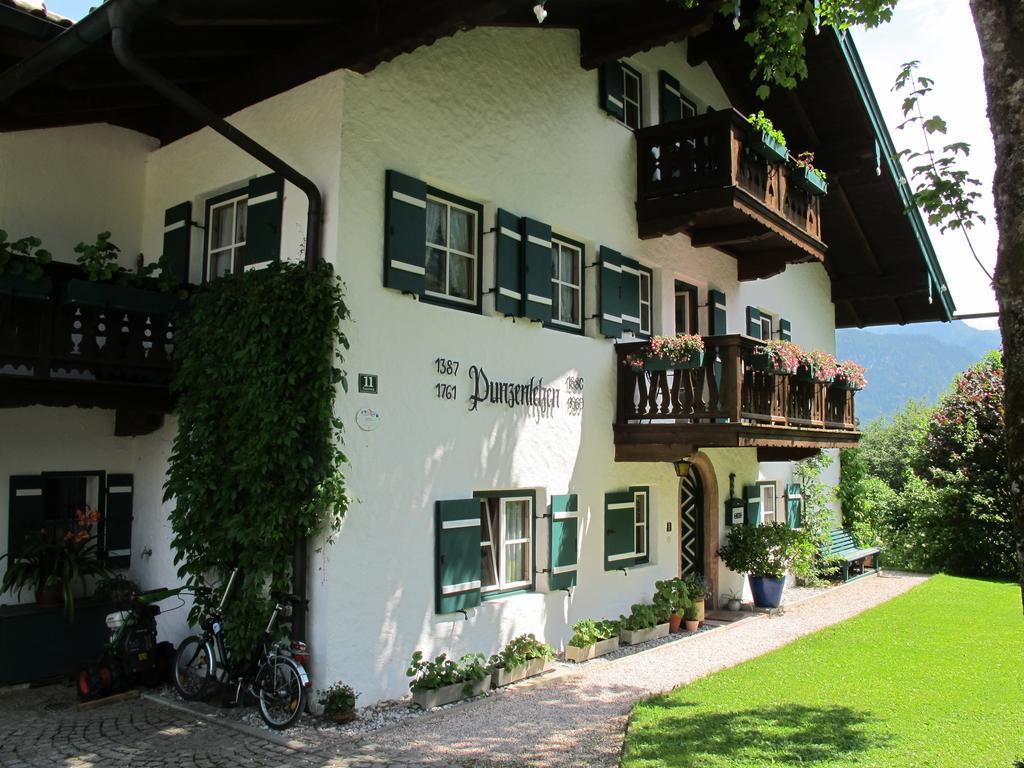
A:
x: 682, y: 467
x: 540, y: 12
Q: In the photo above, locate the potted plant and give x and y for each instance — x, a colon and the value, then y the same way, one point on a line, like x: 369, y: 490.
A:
x: 811, y: 179
x: 733, y: 600
x: 850, y: 375
x: 690, y: 617
x: 675, y: 353
x: 523, y: 657
x: 670, y: 598
x: 775, y: 356
x: 443, y: 680
x: 765, y: 553
x: 698, y: 590
x: 642, y: 624
x: 591, y: 639
x: 339, y: 702
x: 21, y: 268
x: 817, y: 366
x: 769, y: 141
x: 51, y: 568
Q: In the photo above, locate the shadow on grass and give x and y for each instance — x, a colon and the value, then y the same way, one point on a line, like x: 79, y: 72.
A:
x: 781, y: 735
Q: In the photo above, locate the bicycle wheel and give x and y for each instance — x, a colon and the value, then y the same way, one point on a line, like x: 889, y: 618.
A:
x: 193, y: 668
x: 282, y: 696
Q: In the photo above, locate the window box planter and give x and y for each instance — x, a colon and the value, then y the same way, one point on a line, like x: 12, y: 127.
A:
x: 767, y: 591
x: 637, y: 636
x: 106, y: 296
x: 809, y: 181
x: 696, y: 360
x: 23, y: 288
x: 533, y: 667
x: 588, y: 652
x: 768, y: 148
x: 766, y: 363
x: 805, y: 373
x: 438, y: 697
x: 841, y: 383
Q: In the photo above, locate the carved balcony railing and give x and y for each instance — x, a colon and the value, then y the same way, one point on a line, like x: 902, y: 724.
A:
x: 708, y: 176
x: 67, y: 341
x: 665, y: 415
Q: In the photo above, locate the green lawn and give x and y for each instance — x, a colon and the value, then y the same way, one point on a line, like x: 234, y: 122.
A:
x: 932, y: 678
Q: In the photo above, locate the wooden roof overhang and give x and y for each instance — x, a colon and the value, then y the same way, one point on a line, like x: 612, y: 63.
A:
x: 880, y: 260
x: 231, y: 54
x: 25, y: 30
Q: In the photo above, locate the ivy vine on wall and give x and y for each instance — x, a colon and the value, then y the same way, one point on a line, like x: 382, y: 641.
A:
x: 257, y: 457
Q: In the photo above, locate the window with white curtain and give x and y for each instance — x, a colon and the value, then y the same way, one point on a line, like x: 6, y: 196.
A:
x: 566, y: 283
x: 452, y: 256
x: 506, y: 543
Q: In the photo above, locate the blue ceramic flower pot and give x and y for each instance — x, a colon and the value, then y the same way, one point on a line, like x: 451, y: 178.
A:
x: 766, y: 590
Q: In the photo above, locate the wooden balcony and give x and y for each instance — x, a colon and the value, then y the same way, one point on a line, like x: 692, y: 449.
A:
x: 65, y: 341
x: 668, y: 415
x: 706, y: 176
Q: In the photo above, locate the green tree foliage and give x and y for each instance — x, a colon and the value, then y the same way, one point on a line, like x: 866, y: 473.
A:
x: 931, y: 486
x: 817, y: 511
x: 256, y: 460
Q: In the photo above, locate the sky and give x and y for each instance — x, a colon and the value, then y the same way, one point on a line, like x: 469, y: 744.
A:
x: 941, y: 35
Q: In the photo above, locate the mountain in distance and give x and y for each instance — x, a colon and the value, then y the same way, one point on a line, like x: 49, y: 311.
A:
x: 911, y: 362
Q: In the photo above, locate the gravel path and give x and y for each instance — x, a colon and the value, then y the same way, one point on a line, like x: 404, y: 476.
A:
x: 578, y: 717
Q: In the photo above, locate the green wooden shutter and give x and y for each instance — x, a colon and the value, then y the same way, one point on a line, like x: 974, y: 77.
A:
x: 752, y: 495
x: 117, y: 521
x: 717, y: 317
x: 457, y: 555
x: 754, y: 322
x: 630, y: 295
x: 785, y: 330
x: 610, y: 286
x: 178, y: 241
x: 264, y: 210
x: 564, y: 541
x: 794, y: 505
x: 619, y: 512
x: 612, y: 89
x: 537, y: 269
x: 669, y: 103
x: 405, y: 232
x: 508, y: 271
x: 26, y: 516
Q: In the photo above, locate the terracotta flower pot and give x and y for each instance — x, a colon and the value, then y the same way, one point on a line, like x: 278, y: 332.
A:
x: 674, y: 622
x: 691, y: 626
x: 49, y: 597
x: 344, y: 716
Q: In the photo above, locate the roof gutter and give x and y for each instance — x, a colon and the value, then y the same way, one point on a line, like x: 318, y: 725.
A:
x: 117, y: 18
x: 890, y: 157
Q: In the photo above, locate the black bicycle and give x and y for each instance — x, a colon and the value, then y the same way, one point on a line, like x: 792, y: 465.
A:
x: 276, y: 677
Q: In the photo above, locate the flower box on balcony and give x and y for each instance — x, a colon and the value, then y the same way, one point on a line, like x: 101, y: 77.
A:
x: 841, y: 383
x: 807, y: 179
x: 118, y: 297
x: 766, y: 362
x: 695, y: 360
x: 21, y: 287
x: 771, y: 150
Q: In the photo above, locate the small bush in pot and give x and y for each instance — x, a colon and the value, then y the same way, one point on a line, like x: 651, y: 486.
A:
x: 698, y: 590
x: 339, y: 702
x: 690, y: 617
x: 670, y: 598
x: 765, y: 553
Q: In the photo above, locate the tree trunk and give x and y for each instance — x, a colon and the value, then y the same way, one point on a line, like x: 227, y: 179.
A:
x: 1000, y: 25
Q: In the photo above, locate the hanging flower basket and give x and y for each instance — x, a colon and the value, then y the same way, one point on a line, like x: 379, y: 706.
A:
x: 817, y: 366
x: 779, y: 357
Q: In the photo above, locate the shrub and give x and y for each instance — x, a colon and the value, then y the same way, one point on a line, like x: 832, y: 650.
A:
x: 671, y: 596
x: 521, y: 650
x: 767, y: 550
x: 338, y: 698
x: 641, y: 616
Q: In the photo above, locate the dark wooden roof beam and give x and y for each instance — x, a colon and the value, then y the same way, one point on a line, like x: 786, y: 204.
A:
x: 879, y: 287
x: 713, y: 237
x: 609, y: 37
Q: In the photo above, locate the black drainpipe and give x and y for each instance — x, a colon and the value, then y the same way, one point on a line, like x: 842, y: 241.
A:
x: 121, y: 21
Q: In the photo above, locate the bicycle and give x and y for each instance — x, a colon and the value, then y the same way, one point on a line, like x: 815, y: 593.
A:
x: 276, y: 678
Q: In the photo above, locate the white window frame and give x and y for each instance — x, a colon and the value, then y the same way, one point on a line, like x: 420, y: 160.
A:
x: 767, y: 318
x: 646, y: 307
x: 629, y: 73
x: 770, y: 495
x: 500, y: 584
x: 559, y: 244
x: 644, y: 525
x: 211, y: 251
x: 475, y: 257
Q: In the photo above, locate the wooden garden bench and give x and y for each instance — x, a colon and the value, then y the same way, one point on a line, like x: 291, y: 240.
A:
x: 843, y: 545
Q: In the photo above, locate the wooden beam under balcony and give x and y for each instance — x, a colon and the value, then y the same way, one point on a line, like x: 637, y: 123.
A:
x: 709, y: 177
x: 671, y: 442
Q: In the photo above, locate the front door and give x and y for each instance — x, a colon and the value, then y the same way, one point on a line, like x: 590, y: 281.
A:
x: 691, y: 524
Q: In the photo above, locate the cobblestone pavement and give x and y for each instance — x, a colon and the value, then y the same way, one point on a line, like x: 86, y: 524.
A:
x: 571, y: 719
